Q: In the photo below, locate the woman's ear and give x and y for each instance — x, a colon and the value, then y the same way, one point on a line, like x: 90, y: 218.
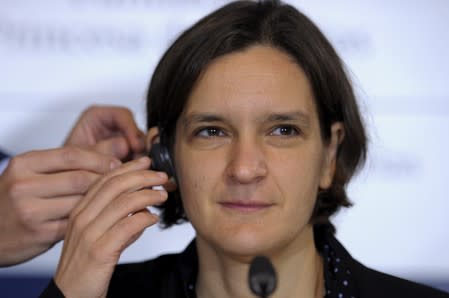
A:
x: 330, y: 158
x: 151, y: 138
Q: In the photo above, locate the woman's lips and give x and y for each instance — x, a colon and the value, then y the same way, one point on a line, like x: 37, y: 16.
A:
x: 245, y: 206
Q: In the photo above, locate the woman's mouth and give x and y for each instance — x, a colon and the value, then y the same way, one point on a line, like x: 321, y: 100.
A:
x: 246, y: 207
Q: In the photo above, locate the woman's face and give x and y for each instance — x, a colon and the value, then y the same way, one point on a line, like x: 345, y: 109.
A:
x: 249, y: 154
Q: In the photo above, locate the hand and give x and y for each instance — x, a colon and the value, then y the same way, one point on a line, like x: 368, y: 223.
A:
x: 108, y: 219
x: 109, y: 130
x: 37, y: 192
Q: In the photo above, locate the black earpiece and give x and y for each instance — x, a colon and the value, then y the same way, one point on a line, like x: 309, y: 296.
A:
x: 160, y: 159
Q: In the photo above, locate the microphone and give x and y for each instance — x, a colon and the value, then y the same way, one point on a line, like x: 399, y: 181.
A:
x: 262, y: 277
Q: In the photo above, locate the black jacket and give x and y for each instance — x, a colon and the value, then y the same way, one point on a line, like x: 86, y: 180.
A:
x: 174, y: 275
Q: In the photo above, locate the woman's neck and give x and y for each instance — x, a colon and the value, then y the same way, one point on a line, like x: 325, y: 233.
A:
x: 298, y: 265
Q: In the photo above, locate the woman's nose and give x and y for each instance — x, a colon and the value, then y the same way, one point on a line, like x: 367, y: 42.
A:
x: 247, y: 161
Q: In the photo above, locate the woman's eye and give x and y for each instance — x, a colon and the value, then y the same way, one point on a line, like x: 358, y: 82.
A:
x: 286, y: 130
x: 210, y: 132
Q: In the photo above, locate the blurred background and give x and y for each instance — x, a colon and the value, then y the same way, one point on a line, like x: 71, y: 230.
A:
x: 59, y: 57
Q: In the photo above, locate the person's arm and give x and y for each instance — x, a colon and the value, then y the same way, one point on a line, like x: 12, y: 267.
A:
x: 38, y: 189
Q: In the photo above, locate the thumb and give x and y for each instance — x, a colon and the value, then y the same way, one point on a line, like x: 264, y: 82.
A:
x: 115, y: 146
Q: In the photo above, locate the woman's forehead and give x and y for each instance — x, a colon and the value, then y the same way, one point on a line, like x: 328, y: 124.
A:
x: 259, y: 80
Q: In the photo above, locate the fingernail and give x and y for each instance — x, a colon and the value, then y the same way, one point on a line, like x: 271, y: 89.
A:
x: 162, y: 175
x: 115, y: 164
x: 163, y: 194
x: 155, y: 218
x: 143, y: 159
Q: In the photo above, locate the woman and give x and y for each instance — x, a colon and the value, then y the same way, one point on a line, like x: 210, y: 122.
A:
x: 260, y: 121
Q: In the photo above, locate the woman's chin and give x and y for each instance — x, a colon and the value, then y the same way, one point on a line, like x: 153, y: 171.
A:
x: 246, y: 245
x: 247, y: 241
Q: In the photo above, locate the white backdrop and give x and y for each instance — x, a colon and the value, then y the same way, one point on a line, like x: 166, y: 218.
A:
x: 58, y: 57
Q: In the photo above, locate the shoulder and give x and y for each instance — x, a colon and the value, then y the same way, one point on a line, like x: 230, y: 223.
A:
x: 157, y: 267
x: 372, y: 283
x: 369, y: 283
x: 143, y: 276
x: 164, y: 276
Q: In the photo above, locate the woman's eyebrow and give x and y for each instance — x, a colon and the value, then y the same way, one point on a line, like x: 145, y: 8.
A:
x: 205, y: 117
x: 201, y: 117
x: 289, y: 116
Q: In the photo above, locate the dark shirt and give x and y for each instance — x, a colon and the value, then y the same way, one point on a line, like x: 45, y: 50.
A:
x: 174, y: 275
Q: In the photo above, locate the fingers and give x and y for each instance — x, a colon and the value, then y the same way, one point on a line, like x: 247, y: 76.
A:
x: 58, y: 184
x: 122, y: 121
x: 63, y: 159
x: 126, y: 183
x: 124, y: 206
x: 130, y: 177
x: 126, y: 231
x: 58, y: 208
x: 34, y: 214
x: 100, y: 123
x: 115, y: 146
